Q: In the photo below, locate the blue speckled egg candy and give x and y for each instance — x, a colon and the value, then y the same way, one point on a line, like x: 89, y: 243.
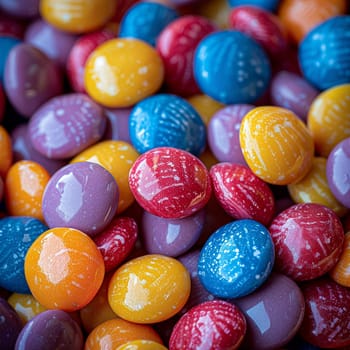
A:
x: 231, y: 67
x: 6, y: 44
x: 270, y: 5
x: 236, y: 259
x: 145, y: 21
x: 166, y: 120
x: 17, y: 233
x: 324, y: 53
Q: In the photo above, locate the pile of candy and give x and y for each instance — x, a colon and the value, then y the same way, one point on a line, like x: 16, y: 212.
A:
x: 174, y: 174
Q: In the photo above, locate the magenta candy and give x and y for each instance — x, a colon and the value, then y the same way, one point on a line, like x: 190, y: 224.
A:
x: 25, y: 9
x: 66, y: 125
x: 81, y: 195
x: 117, y: 124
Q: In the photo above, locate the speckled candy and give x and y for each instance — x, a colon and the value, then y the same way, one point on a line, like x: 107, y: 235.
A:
x: 81, y: 195
x: 236, y: 259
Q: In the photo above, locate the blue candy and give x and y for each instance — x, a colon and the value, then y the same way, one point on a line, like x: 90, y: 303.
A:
x: 17, y: 233
x: 166, y: 120
x: 324, y: 53
x: 270, y: 5
x: 6, y: 44
x: 231, y: 67
x: 236, y: 259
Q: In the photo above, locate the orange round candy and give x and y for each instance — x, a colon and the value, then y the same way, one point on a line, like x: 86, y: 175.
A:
x: 341, y: 271
x: 77, y: 16
x: 141, y: 345
x: 122, y: 72
x: 109, y: 335
x: 149, y: 289
x: 117, y: 157
x: 276, y: 145
x: 64, y: 269
x: 24, y: 187
x: 329, y: 118
x: 5, y: 152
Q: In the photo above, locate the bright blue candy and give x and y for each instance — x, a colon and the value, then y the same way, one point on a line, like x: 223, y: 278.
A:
x: 145, y: 21
x: 17, y: 233
x: 324, y: 53
x: 6, y: 44
x: 270, y: 5
x: 166, y: 120
x: 236, y: 259
x: 231, y: 67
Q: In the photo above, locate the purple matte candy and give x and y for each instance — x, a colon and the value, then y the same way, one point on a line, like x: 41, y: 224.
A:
x: 51, y: 329
x: 81, y: 195
x: 25, y: 9
x: 30, y: 78
x: 118, y: 124
x: 66, y: 125
x: 338, y: 172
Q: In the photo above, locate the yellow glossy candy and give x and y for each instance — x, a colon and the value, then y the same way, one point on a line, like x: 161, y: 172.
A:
x: 313, y: 188
x: 341, y: 271
x: 329, y: 118
x: 117, y: 157
x: 77, y: 16
x: 123, y: 71
x: 276, y: 145
x: 142, y: 345
x: 149, y: 289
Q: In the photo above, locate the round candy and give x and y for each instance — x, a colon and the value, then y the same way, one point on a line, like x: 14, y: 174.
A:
x: 17, y: 234
x: 170, y: 182
x: 121, y: 72
x: 66, y: 125
x: 166, y: 120
x: 6, y: 44
x: 270, y: 5
x: 231, y: 67
x: 324, y: 60
x: 26, y: 9
x: 308, y: 239
x: 341, y: 271
x: 338, y: 172
x: 51, y: 329
x: 276, y: 145
x: 64, y: 269
x: 149, y: 289
x: 328, y: 118
x: 236, y: 259
x: 6, y: 151
x: 81, y: 195
x: 141, y: 345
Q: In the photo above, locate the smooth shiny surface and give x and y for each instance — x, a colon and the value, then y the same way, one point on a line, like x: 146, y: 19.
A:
x: 142, y: 345
x: 341, y: 271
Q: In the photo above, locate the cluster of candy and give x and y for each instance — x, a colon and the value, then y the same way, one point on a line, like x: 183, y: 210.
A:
x: 174, y: 174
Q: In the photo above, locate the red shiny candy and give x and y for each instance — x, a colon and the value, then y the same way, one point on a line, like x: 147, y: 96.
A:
x: 308, y: 240
x: 170, y: 182
x: 326, y: 322
x: 241, y: 193
x: 117, y: 241
x: 214, y: 325
x: 176, y: 45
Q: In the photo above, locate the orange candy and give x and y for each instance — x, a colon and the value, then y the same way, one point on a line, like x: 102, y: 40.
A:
x: 109, y: 335
x: 122, y: 72
x: 24, y: 187
x: 5, y: 152
x: 276, y: 145
x: 64, y: 269
x: 141, y: 345
x: 341, y: 271
x: 149, y: 289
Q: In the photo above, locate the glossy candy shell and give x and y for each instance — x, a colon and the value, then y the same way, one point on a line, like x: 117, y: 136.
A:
x: 270, y: 5
x: 141, y: 345
x: 6, y: 151
x: 340, y: 272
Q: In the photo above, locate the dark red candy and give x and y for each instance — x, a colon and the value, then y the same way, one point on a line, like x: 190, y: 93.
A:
x: 116, y: 241
x: 214, y: 325
x: 12, y: 26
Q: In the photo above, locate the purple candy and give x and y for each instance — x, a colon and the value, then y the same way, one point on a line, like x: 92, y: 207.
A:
x: 30, y: 78
x: 81, y: 195
x: 171, y: 237
x: 118, y: 124
x: 223, y: 133
x: 289, y: 90
x: 25, y: 9
x: 66, y: 125
x: 51, y: 329
x: 338, y: 172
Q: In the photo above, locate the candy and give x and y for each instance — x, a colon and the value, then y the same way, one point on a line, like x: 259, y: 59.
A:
x: 2, y: 102
x: 21, y: 8
x: 6, y: 151
x: 117, y: 124
x: 269, y: 5
x: 6, y: 44
x: 141, y: 345
x: 340, y: 272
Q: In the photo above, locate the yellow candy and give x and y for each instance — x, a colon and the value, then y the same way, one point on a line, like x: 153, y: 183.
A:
x: 117, y: 157
x: 276, y: 145
x: 341, y: 271
x: 141, y: 345
x: 329, y: 118
x: 121, y: 72
x: 149, y: 289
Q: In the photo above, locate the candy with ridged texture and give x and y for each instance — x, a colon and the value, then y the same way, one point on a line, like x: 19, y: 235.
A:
x: 308, y: 239
x: 213, y: 325
x: 17, y: 234
x: 270, y: 5
x: 6, y: 44
x: 231, y: 67
x: 341, y: 271
x: 236, y: 259
x: 166, y: 120
x: 170, y: 182
x: 25, y: 9
x: 328, y: 118
x: 324, y: 53
x: 280, y: 298
x: 66, y: 125
x: 276, y: 144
